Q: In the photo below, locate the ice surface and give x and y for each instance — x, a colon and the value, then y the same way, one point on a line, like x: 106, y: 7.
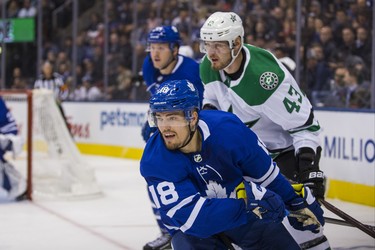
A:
x: 122, y: 217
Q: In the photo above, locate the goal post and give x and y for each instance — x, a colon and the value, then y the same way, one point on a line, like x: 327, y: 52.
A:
x: 51, y: 162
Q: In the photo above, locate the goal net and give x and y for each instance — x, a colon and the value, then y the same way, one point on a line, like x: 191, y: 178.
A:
x: 51, y: 161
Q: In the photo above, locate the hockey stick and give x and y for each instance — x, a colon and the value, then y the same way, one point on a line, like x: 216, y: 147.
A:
x: 227, y: 242
x: 370, y: 230
x: 329, y: 220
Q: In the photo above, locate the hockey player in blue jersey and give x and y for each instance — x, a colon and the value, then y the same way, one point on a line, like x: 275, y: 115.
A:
x: 214, y: 182
x: 163, y: 63
x: 12, y: 184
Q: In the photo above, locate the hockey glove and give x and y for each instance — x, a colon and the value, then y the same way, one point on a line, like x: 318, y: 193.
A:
x: 309, y: 173
x: 147, y: 131
x: 305, y: 205
x: 261, y: 202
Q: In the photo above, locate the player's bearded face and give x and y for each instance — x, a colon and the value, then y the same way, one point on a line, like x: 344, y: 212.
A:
x: 174, y: 128
x: 161, y: 55
x: 219, y: 54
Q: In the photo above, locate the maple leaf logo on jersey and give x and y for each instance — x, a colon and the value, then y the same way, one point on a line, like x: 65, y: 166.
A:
x: 269, y: 80
x: 215, y: 190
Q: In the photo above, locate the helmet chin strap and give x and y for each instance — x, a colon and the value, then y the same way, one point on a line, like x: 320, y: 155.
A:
x: 233, y: 57
x: 191, y: 134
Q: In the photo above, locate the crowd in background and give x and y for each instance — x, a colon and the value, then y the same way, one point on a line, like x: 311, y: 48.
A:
x: 335, y: 53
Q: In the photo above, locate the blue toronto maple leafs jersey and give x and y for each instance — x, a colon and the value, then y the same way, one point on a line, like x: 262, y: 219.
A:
x: 195, y: 192
x: 186, y: 68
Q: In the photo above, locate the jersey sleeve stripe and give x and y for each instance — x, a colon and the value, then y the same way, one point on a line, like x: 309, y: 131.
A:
x: 184, y: 202
x: 266, y: 179
x: 193, y: 215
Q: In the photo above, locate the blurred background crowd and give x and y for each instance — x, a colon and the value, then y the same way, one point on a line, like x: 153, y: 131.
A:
x: 103, y: 60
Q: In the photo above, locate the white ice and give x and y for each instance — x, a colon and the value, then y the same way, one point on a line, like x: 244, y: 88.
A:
x: 122, y: 217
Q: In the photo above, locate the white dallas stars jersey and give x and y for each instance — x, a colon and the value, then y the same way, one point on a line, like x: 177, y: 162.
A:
x: 266, y: 98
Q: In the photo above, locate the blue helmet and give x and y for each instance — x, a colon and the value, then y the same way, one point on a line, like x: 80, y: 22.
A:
x: 164, y: 34
x: 175, y: 95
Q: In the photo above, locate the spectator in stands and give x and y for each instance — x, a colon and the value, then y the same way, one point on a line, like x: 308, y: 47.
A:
x: 322, y: 71
x: 357, y: 94
x: 64, y: 71
x: 337, y: 95
x: 125, y: 50
x: 363, y: 45
x: 182, y: 21
x: 27, y: 10
x: 62, y: 58
x: 326, y: 41
x: 94, y: 21
x: 92, y: 70
x: 88, y: 91
x: 340, y: 21
x: 67, y: 46
x: 125, y: 15
x: 12, y: 9
x: 357, y: 64
x: 289, y: 23
x: 122, y: 89
x: 275, y: 24
x: 361, y: 98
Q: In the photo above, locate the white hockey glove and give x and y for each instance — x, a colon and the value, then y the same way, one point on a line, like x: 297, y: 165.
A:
x: 11, y: 142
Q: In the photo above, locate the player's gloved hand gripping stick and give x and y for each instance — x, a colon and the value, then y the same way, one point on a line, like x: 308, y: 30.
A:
x: 260, y: 202
x: 306, y: 213
x: 309, y: 172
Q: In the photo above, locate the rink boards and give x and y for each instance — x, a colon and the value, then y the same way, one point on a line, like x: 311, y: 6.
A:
x: 348, y: 141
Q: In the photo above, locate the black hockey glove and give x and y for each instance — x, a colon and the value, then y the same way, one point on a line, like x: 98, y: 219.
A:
x: 309, y: 173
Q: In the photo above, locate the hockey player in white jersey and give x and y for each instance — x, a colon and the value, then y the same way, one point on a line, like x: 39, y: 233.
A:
x: 12, y: 183
x: 251, y: 83
x: 213, y: 180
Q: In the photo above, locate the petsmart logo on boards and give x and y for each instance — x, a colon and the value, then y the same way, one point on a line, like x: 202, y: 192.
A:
x: 120, y: 118
x: 351, y: 149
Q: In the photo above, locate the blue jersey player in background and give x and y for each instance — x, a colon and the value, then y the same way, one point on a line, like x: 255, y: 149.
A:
x: 163, y: 63
x: 12, y: 184
x: 214, y: 182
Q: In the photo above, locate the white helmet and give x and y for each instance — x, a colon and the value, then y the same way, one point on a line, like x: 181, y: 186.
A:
x: 222, y: 26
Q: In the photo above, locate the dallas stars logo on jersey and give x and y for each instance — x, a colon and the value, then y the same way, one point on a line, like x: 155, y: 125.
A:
x: 268, y: 80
